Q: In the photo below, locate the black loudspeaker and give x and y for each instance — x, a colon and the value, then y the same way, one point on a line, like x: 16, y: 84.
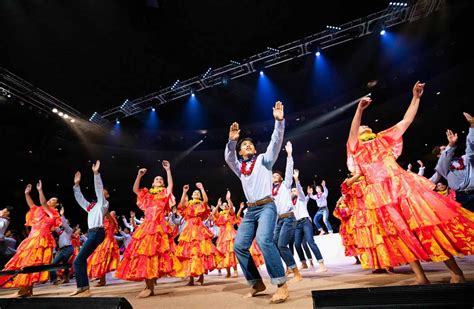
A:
x: 416, y: 296
x: 65, y: 303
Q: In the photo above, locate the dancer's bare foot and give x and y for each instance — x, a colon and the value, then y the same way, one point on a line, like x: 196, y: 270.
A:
x: 235, y: 275
x: 145, y: 293
x: 421, y: 282
x: 280, y: 295
x: 457, y: 279
x: 191, y: 282
x: 304, y: 265
x: 201, y: 280
x: 322, y: 268
x: 23, y: 292
x: 258, y: 287
x: 297, y: 277
x: 81, y: 292
x: 288, y: 272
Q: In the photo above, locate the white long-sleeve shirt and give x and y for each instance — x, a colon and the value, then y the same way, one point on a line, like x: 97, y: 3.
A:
x: 95, y: 217
x: 283, y: 195
x: 4, y: 222
x: 301, y: 207
x: 257, y: 185
x: 127, y: 238
x: 321, y: 200
x: 127, y: 225
x: 65, y: 234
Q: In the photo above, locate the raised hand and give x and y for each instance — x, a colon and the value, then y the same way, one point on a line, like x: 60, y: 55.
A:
x: 166, y: 165
x: 219, y: 202
x: 95, y: 167
x: 77, y: 178
x: 228, y: 195
x: 61, y: 211
x: 39, y: 185
x: 234, y: 132
x: 296, y: 174
x: 185, y: 188
x: 323, y: 183
x: 289, y: 148
x: 242, y: 205
x: 364, y: 102
x: 409, y: 167
x: 469, y: 119
x: 309, y: 190
x: 199, y: 186
x: 452, y: 138
x: 278, y: 112
x: 28, y: 188
x: 142, y: 172
x: 418, y: 89
x: 132, y: 214
x: 420, y: 163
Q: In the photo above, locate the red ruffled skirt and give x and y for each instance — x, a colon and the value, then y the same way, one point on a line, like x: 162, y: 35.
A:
x: 104, y: 259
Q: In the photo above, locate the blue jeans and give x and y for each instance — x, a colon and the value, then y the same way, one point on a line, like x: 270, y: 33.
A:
x: 94, y: 239
x: 62, y: 256
x: 324, y: 213
x: 259, y: 223
x: 304, y: 231
x: 282, y: 237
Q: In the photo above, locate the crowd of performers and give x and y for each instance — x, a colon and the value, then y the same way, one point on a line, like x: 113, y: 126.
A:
x: 389, y: 217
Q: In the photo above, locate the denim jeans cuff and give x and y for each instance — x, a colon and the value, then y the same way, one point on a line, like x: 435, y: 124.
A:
x: 321, y: 261
x: 277, y: 281
x: 292, y: 266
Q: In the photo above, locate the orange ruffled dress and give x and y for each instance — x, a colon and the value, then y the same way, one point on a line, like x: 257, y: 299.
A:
x: 195, y: 248
x: 256, y: 254
x: 107, y: 255
x: 344, y: 212
x: 35, y: 250
x: 413, y: 221
x: 150, y: 253
x: 225, y: 242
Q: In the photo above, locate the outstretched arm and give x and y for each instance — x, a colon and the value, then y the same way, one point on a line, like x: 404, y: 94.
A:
x: 354, y: 132
x: 136, y: 184
x: 444, y: 161
x: 205, y: 199
x: 241, y: 208
x: 28, y: 198
x: 98, y: 185
x: 410, y: 114
x: 350, y: 181
x: 169, y: 177
x: 230, y: 154
x: 325, y: 190
x: 43, y: 201
x: 229, y: 201
x: 77, y: 192
x: 184, y: 196
x: 289, y: 165
x: 273, y: 149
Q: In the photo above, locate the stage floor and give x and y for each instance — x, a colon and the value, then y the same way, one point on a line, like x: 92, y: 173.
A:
x: 219, y: 292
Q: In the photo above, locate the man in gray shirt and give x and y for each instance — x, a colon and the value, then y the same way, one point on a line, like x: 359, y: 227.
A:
x: 65, y: 249
x: 459, y: 172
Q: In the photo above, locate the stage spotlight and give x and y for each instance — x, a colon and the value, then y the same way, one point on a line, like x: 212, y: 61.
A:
x: 318, y: 52
x: 117, y: 121
x: 153, y: 109
x: 55, y: 110
x: 192, y: 93
x: 261, y: 73
x: 60, y: 114
x: 72, y: 120
x: 66, y: 116
x: 382, y: 32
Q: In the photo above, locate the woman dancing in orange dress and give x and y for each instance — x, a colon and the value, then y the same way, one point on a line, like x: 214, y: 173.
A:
x: 195, y: 249
x: 416, y: 223
x: 150, y: 253
x: 107, y: 255
x: 225, y: 220
x: 37, y: 248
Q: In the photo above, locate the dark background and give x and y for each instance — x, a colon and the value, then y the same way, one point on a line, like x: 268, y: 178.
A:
x: 95, y: 54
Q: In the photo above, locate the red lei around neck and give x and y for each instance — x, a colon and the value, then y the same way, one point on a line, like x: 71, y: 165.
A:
x: 248, y: 171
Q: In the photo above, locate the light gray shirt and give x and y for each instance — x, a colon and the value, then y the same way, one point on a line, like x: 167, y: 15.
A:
x: 258, y: 185
x: 65, y: 236
x: 4, y: 222
x: 322, y: 200
x: 301, y: 207
x: 459, y: 180
x: 95, y: 217
x: 126, y: 238
x: 283, y: 196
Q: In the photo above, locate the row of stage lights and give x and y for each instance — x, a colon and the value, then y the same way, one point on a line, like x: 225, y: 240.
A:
x: 398, y: 4
x: 64, y: 115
